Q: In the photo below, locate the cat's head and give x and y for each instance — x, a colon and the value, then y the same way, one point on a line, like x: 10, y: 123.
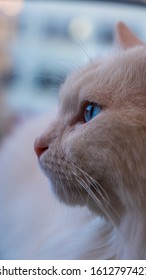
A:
x: 95, y: 151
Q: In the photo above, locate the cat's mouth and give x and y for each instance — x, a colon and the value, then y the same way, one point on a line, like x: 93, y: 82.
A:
x: 64, y: 177
x: 64, y: 184
x: 70, y: 184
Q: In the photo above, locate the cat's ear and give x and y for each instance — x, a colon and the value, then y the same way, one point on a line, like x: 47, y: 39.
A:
x: 125, y: 37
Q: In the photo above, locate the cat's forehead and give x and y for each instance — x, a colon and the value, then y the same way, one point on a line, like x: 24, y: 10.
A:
x: 77, y: 82
x: 106, y: 78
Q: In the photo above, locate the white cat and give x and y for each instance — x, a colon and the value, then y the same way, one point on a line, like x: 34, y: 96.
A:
x: 95, y: 156
x: 95, y: 150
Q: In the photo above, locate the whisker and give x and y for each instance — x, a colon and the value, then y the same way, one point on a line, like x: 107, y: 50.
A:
x: 64, y: 189
x: 90, y: 178
x: 97, y: 201
x: 99, y: 193
x: 86, y: 187
x: 83, y: 185
x: 74, y: 185
x: 82, y: 47
x: 63, y: 186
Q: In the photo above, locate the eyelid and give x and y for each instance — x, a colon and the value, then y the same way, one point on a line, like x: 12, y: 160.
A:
x: 88, y: 102
x: 79, y: 116
x: 85, y: 103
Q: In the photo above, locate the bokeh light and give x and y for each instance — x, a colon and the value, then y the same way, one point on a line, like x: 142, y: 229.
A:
x: 81, y: 27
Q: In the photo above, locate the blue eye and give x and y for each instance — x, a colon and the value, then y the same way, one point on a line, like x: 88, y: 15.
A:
x: 91, y: 110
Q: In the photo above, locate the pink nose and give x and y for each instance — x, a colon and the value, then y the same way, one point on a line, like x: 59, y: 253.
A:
x: 39, y: 147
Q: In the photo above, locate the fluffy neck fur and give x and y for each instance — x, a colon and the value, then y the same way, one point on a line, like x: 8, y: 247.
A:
x: 133, y: 231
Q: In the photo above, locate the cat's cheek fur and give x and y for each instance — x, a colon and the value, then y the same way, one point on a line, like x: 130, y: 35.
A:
x: 106, y: 161
x: 92, y: 158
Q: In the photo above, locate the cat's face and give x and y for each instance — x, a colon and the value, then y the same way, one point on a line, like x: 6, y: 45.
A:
x: 94, y: 152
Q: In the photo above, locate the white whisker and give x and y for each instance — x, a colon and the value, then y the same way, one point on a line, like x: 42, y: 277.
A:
x: 86, y: 187
x: 92, y: 179
x: 64, y: 189
x: 96, y: 188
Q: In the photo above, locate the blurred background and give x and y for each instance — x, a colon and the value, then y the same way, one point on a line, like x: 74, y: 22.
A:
x: 41, y: 42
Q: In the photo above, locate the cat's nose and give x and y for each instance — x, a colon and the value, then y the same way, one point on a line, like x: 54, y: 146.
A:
x: 39, y: 147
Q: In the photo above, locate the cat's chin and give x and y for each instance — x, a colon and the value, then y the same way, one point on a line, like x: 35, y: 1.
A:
x: 67, y: 195
x: 71, y: 193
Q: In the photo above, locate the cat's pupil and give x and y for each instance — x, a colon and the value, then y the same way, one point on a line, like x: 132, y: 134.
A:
x: 91, y: 110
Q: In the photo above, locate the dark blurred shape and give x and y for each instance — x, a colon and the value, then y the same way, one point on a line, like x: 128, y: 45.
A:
x: 7, y: 33
x: 8, y: 79
x: 46, y: 79
x: 55, y: 27
x: 105, y: 34
x: 132, y: 2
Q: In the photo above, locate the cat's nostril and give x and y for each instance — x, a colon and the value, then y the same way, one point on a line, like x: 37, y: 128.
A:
x: 39, y: 149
